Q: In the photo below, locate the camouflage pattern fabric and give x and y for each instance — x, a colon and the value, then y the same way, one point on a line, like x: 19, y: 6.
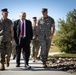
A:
x: 5, y: 41
x: 45, y: 25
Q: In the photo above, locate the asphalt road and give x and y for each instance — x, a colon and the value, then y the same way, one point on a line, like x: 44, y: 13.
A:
x: 37, y: 69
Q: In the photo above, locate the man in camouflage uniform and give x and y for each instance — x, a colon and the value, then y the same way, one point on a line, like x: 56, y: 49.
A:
x: 36, y: 46
x: 5, y: 45
x: 46, y: 28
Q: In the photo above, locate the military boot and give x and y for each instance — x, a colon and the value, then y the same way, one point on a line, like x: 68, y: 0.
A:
x: 33, y: 59
x: 2, y: 67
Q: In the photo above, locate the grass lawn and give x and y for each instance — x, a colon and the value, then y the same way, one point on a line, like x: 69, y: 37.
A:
x: 65, y: 55
x: 54, y: 49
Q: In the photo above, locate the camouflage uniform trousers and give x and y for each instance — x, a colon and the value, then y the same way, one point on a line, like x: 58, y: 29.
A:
x: 45, y: 46
x: 35, y: 49
x: 13, y: 50
x: 5, y: 51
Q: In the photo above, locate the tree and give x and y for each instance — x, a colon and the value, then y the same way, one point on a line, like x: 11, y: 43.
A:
x: 66, y: 35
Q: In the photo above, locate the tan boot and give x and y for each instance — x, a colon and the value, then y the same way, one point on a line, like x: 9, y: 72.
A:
x: 2, y: 67
x: 33, y: 59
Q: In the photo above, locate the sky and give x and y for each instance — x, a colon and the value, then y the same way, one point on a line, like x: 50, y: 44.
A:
x: 56, y: 8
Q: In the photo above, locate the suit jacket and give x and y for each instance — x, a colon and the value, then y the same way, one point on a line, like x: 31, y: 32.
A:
x: 17, y: 31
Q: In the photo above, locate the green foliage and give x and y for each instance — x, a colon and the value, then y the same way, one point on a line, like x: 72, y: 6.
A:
x: 66, y: 35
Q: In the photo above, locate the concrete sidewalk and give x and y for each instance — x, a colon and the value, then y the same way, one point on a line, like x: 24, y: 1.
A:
x: 36, y: 69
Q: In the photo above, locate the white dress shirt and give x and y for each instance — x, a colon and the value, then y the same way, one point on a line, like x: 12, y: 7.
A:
x: 24, y: 28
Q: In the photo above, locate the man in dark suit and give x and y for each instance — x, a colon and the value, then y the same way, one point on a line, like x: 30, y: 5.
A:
x: 23, y: 34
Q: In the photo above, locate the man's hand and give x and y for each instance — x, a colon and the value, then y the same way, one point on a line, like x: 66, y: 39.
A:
x: 13, y: 42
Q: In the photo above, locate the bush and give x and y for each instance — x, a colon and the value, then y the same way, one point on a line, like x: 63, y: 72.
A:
x: 66, y: 35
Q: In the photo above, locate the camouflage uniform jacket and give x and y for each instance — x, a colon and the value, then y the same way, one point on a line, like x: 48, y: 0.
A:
x: 45, y: 27
x: 34, y: 31
x: 5, y: 30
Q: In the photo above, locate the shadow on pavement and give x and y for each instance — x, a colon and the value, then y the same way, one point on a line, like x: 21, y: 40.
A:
x: 33, y: 68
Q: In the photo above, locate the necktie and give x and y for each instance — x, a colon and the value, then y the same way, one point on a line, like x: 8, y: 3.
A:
x: 22, y: 28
